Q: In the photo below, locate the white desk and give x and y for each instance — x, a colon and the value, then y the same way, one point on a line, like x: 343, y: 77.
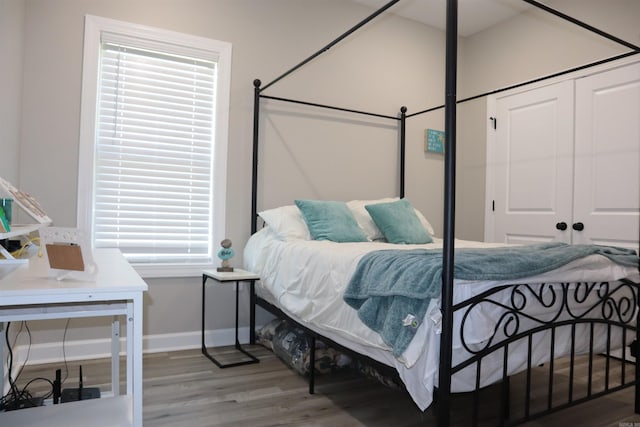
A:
x: 28, y: 293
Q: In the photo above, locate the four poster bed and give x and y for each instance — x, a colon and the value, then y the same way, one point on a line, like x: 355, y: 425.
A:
x: 486, y: 311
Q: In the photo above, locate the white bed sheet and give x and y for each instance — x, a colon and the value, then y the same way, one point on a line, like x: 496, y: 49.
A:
x: 306, y: 279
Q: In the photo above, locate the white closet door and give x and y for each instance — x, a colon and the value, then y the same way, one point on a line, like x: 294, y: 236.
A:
x: 533, y: 169
x: 607, y: 165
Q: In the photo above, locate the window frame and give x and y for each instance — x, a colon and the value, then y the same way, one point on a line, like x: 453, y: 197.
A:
x: 94, y: 27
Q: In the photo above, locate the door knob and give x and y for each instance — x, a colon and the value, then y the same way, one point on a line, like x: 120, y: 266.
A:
x: 578, y: 226
x: 561, y: 226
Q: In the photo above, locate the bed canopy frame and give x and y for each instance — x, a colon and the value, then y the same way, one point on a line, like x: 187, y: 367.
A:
x: 451, y: 101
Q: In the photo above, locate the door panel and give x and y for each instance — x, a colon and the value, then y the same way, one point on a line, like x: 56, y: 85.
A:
x: 533, y: 169
x: 607, y: 165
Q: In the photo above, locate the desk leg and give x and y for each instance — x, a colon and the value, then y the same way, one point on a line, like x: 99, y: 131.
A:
x: 115, y: 356
x: 130, y: 348
x: 135, y: 360
x: 5, y: 384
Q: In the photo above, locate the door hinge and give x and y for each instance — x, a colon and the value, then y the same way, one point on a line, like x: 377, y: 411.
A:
x: 494, y: 122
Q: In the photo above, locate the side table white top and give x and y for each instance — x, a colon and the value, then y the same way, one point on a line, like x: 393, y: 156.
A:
x: 226, y: 276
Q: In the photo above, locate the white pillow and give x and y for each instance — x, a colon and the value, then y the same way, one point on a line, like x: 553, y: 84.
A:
x: 425, y: 223
x: 286, y: 222
x: 366, y: 222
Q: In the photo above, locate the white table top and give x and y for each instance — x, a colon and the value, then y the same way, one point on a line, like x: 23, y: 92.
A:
x: 226, y: 276
x: 34, y: 283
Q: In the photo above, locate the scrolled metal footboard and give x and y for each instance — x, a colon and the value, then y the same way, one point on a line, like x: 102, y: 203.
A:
x: 526, y: 325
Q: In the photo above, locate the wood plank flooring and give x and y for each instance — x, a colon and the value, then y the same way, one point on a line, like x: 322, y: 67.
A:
x: 184, y: 389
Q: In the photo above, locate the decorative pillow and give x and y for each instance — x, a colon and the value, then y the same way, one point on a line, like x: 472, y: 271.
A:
x: 399, y: 222
x: 286, y: 222
x: 363, y: 218
x: 367, y: 224
x: 330, y: 221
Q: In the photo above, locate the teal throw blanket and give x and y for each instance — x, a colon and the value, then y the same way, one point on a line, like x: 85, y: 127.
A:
x: 391, y: 289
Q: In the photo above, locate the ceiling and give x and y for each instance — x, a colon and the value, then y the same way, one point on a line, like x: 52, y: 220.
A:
x: 473, y: 15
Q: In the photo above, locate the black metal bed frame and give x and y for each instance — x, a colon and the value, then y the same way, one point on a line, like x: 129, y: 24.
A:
x: 606, y: 310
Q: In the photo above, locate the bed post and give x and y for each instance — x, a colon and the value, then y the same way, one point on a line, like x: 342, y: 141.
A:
x: 636, y: 354
x: 254, y: 176
x: 403, y: 139
x: 446, y: 339
x: 254, y: 198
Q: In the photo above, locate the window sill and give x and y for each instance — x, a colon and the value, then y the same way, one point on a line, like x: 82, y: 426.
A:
x: 151, y: 271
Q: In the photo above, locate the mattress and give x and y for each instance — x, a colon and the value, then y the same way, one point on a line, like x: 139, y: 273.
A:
x: 306, y: 280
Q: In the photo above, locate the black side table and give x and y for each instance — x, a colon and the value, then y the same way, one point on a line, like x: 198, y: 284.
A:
x: 223, y: 277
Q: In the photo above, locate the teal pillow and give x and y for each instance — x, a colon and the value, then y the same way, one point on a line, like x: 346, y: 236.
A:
x: 398, y: 222
x: 330, y: 221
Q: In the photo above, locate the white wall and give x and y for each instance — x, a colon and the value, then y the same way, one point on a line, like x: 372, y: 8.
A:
x: 531, y: 45
x: 536, y: 43
x: 375, y: 73
x: 11, y: 28
x: 319, y: 154
x: 390, y: 63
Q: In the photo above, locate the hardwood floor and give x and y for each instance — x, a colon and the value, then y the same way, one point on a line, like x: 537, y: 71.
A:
x: 184, y: 389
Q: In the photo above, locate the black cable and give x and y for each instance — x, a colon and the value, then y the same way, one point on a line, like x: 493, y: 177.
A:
x: 24, y: 325
x: 13, y: 394
x: 64, y: 353
x: 46, y: 396
x: 16, y: 396
x: 12, y: 383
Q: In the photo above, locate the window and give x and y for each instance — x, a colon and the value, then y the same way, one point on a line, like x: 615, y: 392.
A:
x: 153, y: 141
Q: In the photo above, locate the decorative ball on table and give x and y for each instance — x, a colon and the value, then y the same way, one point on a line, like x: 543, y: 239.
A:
x: 225, y: 254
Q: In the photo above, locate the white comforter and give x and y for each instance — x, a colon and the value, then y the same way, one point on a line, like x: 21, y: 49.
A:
x: 306, y: 279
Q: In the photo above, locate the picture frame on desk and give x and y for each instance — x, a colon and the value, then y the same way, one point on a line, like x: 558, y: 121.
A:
x: 69, y: 253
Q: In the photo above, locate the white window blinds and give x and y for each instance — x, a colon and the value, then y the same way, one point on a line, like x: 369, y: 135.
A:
x: 154, y: 153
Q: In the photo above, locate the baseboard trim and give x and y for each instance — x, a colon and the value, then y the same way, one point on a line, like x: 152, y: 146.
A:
x: 190, y: 340
x: 100, y: 348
